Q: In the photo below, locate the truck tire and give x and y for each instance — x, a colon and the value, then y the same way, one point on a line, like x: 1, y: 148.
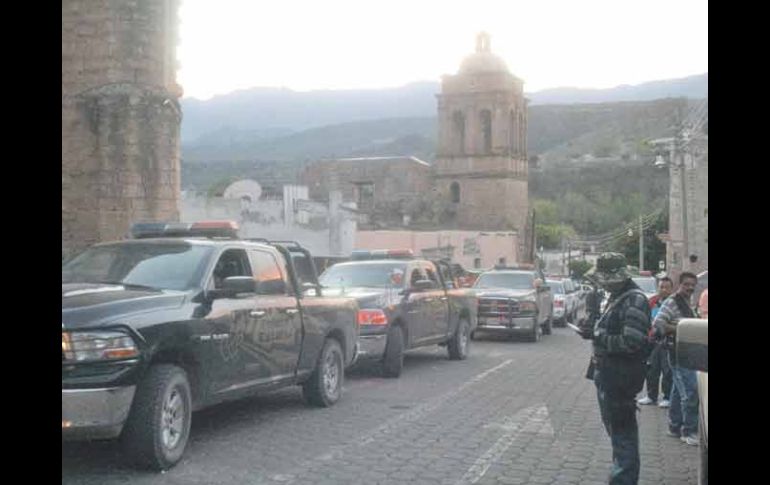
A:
x: 393, y: 362
x: 548, y: 325
x: 324, y: 387
x: 534, y: 335
x: 158, y: 425
x: 460, y: 341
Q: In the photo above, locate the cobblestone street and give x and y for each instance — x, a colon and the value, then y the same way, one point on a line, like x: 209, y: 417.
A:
x: 512, y: 413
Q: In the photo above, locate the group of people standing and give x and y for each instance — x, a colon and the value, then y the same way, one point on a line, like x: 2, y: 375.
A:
x: 633, y: 342
x: 679, y: 385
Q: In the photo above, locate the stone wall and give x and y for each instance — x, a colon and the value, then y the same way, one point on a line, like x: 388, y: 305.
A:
x: 120, y: 118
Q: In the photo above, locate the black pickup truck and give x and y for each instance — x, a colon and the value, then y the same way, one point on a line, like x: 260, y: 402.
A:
x: 154, y: 328
x: 404, y: 303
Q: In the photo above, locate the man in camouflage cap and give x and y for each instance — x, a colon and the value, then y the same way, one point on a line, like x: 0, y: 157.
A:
x: 618, y: 363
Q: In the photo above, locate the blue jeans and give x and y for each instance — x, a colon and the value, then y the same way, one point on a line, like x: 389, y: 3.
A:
x: 618, y: 412
x: 683, y: 413
x: 659, y: 367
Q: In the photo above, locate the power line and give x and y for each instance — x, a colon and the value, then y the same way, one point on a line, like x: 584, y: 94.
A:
x: 647, y: 221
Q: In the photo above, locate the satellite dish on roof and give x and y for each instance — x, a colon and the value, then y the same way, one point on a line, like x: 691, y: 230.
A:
x: 246, y: 189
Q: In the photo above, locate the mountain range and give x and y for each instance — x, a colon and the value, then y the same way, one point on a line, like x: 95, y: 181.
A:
x: 264, y: 113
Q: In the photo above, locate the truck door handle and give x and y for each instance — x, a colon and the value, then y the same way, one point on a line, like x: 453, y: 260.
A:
x: 291, y: 311
x: 257, y: 313
x: 443, y: 298
x: 428, y: 300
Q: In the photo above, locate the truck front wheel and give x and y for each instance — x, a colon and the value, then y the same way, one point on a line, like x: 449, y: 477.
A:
x: 393, y: 361
x: 324, y: 387
x: 458, y: 344
x: 158, y: 425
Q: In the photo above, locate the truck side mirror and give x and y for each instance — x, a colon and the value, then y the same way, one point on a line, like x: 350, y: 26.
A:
x: 272, y: 287
x: 422, y: 285
x: 233, y: 286
x: 692, y: 344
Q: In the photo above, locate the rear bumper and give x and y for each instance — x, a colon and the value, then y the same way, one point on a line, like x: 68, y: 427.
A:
x: 371, y: 346
x: 516, y: 325
x: 95, y: 413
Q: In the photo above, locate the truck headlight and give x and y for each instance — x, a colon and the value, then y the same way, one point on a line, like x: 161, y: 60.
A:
x: 97, y: 345
x: 527, y: 307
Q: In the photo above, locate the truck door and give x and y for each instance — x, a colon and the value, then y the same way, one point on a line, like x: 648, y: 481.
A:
x: 439, y: 304
x: 417, y: 308
x: 228, y: 320
x: 272, y: 347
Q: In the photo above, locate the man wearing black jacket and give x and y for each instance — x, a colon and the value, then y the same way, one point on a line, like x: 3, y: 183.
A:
x: 618, y: 365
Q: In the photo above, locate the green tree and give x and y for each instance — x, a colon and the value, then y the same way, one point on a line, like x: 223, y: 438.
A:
x: 579, y: 267
x: 550, y: 236
x: 654, y: 248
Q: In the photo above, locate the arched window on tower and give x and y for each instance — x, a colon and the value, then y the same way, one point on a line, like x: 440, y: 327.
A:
x: 454, y: 190
x: 458, y: 133
x: 486, y: 130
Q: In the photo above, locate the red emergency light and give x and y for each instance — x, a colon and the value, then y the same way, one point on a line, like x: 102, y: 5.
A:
x: 212, y: 229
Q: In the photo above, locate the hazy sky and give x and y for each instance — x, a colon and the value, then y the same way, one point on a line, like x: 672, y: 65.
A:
x: 348, y: 44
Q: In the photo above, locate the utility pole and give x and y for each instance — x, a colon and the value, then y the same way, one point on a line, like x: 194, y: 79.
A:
x: 685, y: 231
x: 641, y: 244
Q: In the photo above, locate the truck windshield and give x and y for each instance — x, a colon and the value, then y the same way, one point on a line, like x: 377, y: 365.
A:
x: 370, y: 275
x: 514, y: 281
x: 165, y: 265
x: 557, y: 287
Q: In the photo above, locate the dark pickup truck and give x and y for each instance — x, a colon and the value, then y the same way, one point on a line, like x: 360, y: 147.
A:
x: 514, y: 300
x: 154, y: 328
x: 404, y: 304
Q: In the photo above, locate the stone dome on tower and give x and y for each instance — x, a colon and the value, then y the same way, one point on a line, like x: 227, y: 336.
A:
x: 483, y: 60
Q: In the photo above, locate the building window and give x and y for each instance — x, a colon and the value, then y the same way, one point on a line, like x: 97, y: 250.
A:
x: 458, y: 123
x: 501, y: 261
x: 455, y: 192
x: 477, y: 263
x: 486, y: 130
x: 365, y: 195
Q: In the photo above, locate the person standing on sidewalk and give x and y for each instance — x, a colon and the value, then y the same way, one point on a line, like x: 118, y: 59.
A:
x: 658, y: 363
x: 683, y: 413
x: 618, y: 364
x: 703, y: 304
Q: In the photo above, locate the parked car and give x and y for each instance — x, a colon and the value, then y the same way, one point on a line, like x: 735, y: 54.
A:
x: 514, y: 301
x: 405, y: 303
x: 647, y: 284
x: 572, y: 297
x: 692, y: 351
x: 559, y: 302
x: 184, y: 316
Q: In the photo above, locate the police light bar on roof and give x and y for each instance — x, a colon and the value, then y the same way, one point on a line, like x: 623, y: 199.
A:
x: 212, y: 229
x: 360, y: 254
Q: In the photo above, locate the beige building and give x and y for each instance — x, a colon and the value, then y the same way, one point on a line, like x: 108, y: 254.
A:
x: 479, y: 180
x: 471, y: 249
x: 481, y: 165
x: 120, y: 118
x: 383, y: 188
